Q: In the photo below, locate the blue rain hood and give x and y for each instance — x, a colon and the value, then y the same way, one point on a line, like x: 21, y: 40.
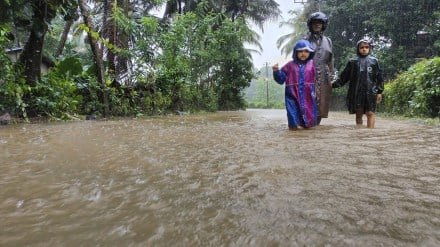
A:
x: 303, y: 45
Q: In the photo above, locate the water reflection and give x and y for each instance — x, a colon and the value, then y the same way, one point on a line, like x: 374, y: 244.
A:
x: 230, y: 178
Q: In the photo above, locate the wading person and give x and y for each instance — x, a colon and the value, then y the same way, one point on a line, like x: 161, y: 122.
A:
x: 365, y: 84
x: 299, y: 78
x: 317, y: 23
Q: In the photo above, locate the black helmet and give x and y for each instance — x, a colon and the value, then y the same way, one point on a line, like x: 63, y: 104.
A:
x: 318, y: 16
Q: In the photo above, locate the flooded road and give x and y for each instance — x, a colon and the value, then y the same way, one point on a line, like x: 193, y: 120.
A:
x: 223, y: 179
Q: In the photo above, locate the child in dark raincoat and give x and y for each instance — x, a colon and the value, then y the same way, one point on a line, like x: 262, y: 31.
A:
x: 300, y: 94
x: 365, y: 84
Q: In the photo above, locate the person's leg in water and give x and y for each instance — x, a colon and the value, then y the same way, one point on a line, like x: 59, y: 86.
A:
x: 371, y: 119
x: 359, y: 115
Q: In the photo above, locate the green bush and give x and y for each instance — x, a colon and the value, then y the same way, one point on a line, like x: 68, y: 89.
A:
x: 56, y: 94
x: 12, y: 84
x: 12, y: 95
x: 415, y: 92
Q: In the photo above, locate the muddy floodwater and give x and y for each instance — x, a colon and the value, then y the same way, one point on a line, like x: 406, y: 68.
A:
x: 223, y: 179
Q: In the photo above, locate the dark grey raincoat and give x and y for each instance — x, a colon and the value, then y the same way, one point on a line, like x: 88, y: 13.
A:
x: 324, y: 65
x: 365, y: 81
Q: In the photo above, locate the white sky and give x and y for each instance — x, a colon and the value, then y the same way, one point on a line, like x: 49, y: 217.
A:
x: 272, y: 32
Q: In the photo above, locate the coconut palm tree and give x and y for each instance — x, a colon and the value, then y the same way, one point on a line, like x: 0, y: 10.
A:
x: 298, y: 28
x: 256, y: 11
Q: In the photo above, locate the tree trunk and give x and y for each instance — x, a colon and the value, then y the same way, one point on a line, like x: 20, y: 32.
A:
x: 31, y: 56
x: 170, y: 9
x: 110, y: 33
x: 122, y: 40
x: 63, y: 39
x: 96, y: 55
x: 117, y: 64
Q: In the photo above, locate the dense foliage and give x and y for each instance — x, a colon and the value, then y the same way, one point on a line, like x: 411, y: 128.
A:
x: 12, y: 85
x: 115, y: 58
x: 416, y: 92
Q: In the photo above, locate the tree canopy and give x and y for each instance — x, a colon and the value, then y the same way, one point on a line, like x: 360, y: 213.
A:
x: 133, y: 62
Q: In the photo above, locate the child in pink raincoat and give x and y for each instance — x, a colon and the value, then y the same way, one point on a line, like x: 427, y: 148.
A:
x: 299, y: 78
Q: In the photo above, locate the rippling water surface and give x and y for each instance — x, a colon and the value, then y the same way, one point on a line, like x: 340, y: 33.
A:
x: 224, y: 179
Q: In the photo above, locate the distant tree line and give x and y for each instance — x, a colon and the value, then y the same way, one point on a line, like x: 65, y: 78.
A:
x: 263, y: 92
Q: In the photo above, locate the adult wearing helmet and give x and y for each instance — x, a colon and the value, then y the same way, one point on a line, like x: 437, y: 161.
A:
x: 324, y: 63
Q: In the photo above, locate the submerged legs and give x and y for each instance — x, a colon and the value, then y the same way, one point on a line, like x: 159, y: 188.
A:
x: 371, y: 119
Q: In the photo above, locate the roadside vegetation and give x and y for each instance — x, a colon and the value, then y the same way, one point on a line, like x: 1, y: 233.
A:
x: 415, y: 92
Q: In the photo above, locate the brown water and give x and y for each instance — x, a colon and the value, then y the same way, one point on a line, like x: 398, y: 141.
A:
x: 224, y: 179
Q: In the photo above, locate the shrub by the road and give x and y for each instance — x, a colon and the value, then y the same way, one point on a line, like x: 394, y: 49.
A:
x: 415, y: 92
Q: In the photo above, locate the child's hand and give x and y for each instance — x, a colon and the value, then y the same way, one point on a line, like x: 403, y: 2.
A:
x: 275, y: 68
x: 334, y: 77
x: 378, y: 98
x: 336, y: 83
